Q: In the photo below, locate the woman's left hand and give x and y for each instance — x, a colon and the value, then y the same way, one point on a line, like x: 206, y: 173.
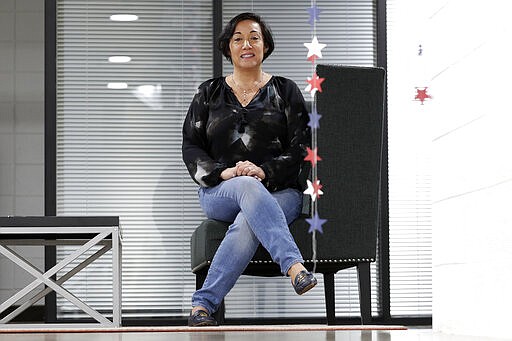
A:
x: 250, y: 169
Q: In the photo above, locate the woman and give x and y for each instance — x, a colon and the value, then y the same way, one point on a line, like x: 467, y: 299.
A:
x: 244, y: 140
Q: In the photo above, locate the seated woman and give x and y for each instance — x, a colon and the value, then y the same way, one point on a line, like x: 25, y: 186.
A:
x: 244, y: 141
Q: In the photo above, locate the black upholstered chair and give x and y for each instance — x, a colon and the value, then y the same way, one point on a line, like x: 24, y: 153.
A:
x: 350, y: 142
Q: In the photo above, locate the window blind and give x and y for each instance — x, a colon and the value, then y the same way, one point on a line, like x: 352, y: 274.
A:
x: 119, y: 150
x: 348, y: 28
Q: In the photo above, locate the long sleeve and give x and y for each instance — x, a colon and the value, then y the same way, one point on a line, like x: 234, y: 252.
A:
x: 283, y: 171
x: 271, y: 131
x: 203, y: 169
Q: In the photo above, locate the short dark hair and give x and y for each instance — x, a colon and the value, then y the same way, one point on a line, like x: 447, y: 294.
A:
x: 229, y: 29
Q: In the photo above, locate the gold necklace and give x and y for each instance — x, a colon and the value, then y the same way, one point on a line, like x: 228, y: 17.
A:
x: 245, y: 92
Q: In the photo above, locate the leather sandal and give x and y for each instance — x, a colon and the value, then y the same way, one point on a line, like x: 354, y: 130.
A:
x: 303, y: 282
x: 201, y: 318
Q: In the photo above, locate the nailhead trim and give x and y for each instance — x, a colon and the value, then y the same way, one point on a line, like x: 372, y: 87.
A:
x: 350, y: 260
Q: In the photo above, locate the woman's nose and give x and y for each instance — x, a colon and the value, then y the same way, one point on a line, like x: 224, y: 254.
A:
x: 246, y: 44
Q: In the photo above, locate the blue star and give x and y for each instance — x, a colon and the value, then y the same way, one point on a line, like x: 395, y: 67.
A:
x: 316, y: 223
x: 314, y: 120
x: 314, y: 13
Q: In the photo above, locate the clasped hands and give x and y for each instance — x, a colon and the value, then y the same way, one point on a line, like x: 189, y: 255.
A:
x: 243, y: 168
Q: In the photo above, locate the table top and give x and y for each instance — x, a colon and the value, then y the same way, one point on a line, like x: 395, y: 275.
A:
x: 56, y: 227
x: 58, y: 221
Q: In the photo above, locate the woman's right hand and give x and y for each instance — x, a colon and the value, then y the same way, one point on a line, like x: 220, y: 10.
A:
x: 228, y: 173
x: 250, y: 169
x: 243, y: 168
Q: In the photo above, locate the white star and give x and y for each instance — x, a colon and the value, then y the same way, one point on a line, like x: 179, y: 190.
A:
x: 315, y: 48
x: 311, y: 190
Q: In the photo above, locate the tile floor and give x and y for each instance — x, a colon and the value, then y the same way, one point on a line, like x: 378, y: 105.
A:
x: 413, y: 334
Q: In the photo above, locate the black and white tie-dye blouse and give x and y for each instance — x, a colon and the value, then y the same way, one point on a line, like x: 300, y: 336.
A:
x: 271, y: 132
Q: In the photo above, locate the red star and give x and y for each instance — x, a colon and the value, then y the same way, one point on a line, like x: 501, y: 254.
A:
x: 312, y: 156
x: 421, y: 95
x: 317, y: 188
x: 315, y: 83
x: 313, y: 58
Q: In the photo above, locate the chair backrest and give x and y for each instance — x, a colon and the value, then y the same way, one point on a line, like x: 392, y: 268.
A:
x: 350, y: 143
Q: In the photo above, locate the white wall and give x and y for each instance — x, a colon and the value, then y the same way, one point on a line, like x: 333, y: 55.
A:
x: 21, y: 125
x: 472, y: 141
x: 466, y: 128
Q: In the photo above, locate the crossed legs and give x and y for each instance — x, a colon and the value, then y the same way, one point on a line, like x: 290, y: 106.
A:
x: 258, y: 217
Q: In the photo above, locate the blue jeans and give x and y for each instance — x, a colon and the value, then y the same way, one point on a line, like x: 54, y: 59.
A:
x: 258, y: 216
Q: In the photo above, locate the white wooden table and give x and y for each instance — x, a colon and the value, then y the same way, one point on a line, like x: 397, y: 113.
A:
x: 84, y: 232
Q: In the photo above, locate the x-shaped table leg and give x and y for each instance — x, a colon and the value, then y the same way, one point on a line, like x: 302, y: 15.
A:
x: 35, y: 298
x: 46, y: 278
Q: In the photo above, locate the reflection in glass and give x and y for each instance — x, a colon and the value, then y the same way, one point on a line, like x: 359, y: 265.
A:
x: 119, y: 59
x: 124, y: 17
x: 117, y: 85
x: 151, y: 95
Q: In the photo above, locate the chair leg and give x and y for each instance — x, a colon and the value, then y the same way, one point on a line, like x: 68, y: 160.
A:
x: 200, y: 278
x: 329, y: 297
x: 365, y: 298
x: 219, y: 315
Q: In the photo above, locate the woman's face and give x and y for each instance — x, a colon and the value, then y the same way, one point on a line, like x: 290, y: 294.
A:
x: 246, y: 46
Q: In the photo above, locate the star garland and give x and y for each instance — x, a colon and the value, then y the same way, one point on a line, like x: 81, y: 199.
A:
x: 421, y: 94
x: 314, y: 84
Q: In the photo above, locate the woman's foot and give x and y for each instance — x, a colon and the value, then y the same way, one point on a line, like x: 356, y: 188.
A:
x: 199, y: 317
x: 302, y: 280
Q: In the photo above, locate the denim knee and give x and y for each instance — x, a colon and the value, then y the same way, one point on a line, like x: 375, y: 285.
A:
x: 247, y: 182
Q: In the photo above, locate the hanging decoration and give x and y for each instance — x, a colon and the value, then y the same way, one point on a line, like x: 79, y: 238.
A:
x: 314, y: 14
x: 421, y: 95
x: 314, y: 84
x: 421, y: 92
x: 315, y: 190
x: 314, y: 119
x: 314, y: 49
x: 316, y: 223
x: 312, y: 156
